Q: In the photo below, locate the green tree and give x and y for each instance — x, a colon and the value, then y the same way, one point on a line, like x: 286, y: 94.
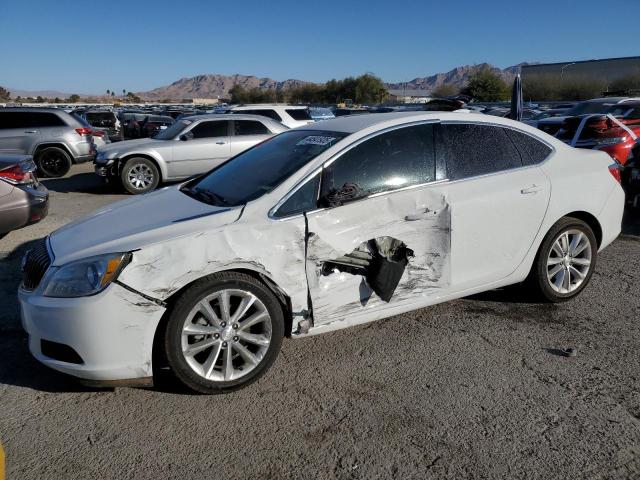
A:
x: 370, y: 89
x: 39, y: 99
x: 445, y: 90
x: 487, y: 86
x: 73, y: 98
x: 5, y: 94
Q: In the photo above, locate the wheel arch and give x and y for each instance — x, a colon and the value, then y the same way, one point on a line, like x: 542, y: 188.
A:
x: 62, y: 146
x: 158, y: 353
x: 590, y: 220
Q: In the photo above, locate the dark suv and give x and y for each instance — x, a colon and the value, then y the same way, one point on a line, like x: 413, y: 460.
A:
x: 54, y: 138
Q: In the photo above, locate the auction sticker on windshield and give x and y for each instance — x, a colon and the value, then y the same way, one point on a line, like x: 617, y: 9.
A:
x: 316, y: 140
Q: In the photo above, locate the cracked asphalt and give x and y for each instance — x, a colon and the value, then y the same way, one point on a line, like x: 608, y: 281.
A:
x: 476, y: 388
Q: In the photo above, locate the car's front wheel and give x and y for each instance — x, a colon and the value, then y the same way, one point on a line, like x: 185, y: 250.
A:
x: 139, y: 175
x: 565, y: 261
x: 223, y: 333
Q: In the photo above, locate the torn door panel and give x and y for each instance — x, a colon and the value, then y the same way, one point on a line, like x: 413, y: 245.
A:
x: 397, y: 253
x: 275, y: 250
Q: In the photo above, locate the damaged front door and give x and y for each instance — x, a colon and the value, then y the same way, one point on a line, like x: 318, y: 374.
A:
x: 383, y: 238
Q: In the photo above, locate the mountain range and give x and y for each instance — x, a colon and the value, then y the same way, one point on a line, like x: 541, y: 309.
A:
x: 215, y: 85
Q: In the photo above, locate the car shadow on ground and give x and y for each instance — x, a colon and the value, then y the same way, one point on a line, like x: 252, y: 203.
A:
x: 79, y: 182
x: 631, y: 222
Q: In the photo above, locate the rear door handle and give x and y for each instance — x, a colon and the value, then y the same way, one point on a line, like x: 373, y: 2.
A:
x: 30, y: 131
x: 220, y: 142
x: 531, y: 189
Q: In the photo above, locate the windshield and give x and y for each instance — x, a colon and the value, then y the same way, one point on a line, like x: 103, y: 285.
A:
x: 262, y: 168
x: 173, y: 131
x: 588, y: 107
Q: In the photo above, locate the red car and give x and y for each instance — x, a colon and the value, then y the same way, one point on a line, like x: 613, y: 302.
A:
x: 616, y: 137
x: 602, y: 133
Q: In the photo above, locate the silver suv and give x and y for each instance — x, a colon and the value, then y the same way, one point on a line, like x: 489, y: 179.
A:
x: 54, y: 138
x: 192, y: 145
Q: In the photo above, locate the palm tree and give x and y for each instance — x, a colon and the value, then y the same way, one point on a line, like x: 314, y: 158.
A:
x: 108, y: 92
x: 124, y: 93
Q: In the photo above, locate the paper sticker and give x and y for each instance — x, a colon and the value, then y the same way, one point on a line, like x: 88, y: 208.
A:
x: 316, y: 140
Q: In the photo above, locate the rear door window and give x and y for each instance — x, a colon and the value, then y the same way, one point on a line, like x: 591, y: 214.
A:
x: 386, y: 162
x: 46, y: 119
x: 211, y: 129
x: 250, y: 127
x: 470, y: 150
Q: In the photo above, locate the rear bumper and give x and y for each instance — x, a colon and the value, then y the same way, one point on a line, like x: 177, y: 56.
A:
x: 83, y: 158
x: 610, y: 216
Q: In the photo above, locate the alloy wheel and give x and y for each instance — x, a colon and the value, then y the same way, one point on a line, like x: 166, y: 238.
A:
x: 569, y: 261
x: 140, y: 176
x: 226, y: 335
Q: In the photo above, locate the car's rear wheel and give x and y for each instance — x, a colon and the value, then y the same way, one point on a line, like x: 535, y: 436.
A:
x: 53, y: 162
x: 139, y: 175
x: 565, y: 261
x: 224, y: 333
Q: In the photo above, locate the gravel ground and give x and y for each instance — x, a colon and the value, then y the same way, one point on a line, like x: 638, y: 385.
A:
x: 475, y: 388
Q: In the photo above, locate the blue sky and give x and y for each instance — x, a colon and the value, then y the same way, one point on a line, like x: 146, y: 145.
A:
x: 87, y: 47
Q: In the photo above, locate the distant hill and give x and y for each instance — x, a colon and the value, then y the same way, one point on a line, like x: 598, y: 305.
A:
x: 35, y: 93
x: 213, y: 86
x: 459, y: 77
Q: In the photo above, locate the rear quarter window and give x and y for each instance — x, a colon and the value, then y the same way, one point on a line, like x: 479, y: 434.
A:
x: 299, y: 113
x: 532, y: 151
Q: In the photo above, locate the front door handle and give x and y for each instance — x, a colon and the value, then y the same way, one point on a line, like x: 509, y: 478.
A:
x: 531, y: 189
x: 30, y: 131
x: 220, y: 142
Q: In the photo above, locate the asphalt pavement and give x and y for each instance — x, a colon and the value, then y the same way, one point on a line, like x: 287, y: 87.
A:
x: 475, y: 388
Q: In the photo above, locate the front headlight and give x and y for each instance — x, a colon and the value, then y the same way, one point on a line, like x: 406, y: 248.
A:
x: 87, y: 276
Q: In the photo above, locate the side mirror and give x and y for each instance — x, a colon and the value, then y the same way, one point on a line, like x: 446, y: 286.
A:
x: 186, y: 136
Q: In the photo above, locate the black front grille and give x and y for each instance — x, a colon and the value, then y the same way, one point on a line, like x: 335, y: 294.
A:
x: 35, y: 265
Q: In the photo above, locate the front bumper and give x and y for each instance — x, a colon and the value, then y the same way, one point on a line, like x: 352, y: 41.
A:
x: 112, y: 332
x: 106, y: 168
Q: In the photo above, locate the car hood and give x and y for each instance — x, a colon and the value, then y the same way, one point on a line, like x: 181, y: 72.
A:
x: 137, y: 222
x: 128, y: 145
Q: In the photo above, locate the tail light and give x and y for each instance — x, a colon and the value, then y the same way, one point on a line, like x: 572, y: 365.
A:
x: 20, y: 173
x: 83, y: 131
x: 614, y: 169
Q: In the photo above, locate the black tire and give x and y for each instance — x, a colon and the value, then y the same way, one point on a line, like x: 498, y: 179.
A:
x: 53, y: 162
x: 179, y: 316
x: 139, y: 175
x: 539, y: 283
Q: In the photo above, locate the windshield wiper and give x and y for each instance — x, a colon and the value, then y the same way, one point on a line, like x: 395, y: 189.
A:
x: 207, y: 196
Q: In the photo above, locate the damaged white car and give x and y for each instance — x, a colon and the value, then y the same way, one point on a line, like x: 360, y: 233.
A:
x: 319, y: 228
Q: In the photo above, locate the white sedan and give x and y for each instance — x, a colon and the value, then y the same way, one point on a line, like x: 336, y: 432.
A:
x: 320, y: 228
